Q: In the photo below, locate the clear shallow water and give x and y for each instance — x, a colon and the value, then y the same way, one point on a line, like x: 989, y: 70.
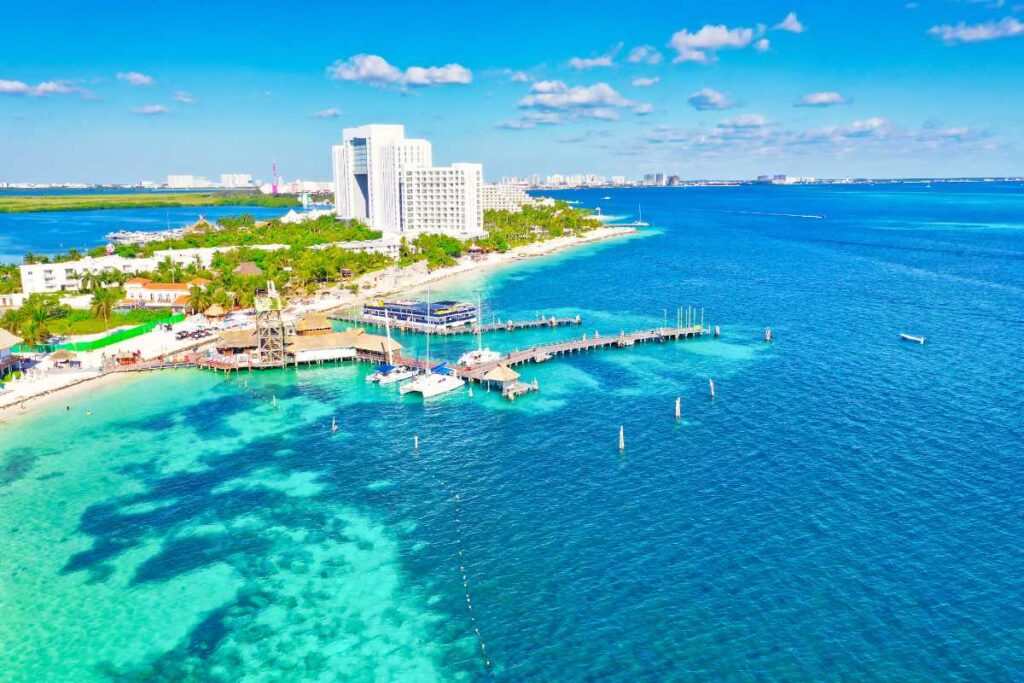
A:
x: 51, y: 232
x: 847, y: 507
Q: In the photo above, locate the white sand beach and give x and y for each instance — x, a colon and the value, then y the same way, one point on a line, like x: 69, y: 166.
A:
x: 45, y: 385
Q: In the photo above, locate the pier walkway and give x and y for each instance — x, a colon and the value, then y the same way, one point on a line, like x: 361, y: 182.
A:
x: 496, y: 326
x: 543, y: 352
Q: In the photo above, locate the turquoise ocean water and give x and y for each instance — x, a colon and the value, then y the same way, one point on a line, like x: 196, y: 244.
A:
x: 847, y: 507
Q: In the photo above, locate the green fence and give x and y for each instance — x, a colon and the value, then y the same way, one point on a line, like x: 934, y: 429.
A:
x: 104, y: 341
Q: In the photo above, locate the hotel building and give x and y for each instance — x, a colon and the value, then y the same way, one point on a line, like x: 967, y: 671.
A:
x: 389, y: 181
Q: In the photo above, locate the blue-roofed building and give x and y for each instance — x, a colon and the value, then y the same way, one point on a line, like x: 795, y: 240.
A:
x: 437, y: 313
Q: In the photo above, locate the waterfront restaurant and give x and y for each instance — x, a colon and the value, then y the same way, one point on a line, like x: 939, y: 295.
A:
x: 435, y: 314
x: 8, y: 359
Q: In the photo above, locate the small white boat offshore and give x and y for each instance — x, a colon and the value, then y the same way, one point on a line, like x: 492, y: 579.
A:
x: 911, y: 338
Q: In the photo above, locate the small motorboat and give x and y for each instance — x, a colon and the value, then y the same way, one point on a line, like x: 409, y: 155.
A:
x: 911, y: 338
x: 398, y: 374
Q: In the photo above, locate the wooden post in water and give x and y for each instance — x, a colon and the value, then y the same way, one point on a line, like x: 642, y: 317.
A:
x: 711, y: 384
x: 679, y: 408
x: 622, y: 438
x: 416, y: 442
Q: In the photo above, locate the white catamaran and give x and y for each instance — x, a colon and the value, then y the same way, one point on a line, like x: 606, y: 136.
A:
x: 479, y: 356
x: 432, y: 382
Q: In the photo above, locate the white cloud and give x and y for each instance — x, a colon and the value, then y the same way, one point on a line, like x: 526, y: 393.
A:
x: 563, y: 103
x: 532, y: 119
x: 331, y: 113
x: 763, y: 45
x: 184, y: 97
x: 821, y: 99
x: 695, y: 47
x: 707, y: 99
x: 558, y: 95
x: 605, y: 60
x: 375, y: 70
x: 755, y: 136
x: 791, y: 24
x: 1008, y: 27
x: 644, y: 54
x: 643, y: 82
x: 519, y: 77
x: 590, y: 62
x: 135, y: 78
x: 745, y: 121
x: 150, y: 110
x: 867, y: 127
x: 44, y: 89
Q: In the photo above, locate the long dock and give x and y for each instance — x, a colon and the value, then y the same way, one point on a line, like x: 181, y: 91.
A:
x: 496, y: 326
x: 544, y: 352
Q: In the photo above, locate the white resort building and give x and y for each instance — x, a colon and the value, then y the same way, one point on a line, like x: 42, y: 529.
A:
x: 508, y: 197
x: 388, y: 180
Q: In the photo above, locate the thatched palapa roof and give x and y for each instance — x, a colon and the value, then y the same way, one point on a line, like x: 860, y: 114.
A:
x: 313, y: 322
x: 501, y: 373
x: 62, y: 355
x: 7, y: 339
x: 237, y: 339
x: 215, y: 311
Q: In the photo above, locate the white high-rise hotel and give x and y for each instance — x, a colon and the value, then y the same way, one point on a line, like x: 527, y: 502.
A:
x: 388, y: 181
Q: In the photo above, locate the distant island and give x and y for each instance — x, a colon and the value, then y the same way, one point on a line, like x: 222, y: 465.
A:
x: 85, y: 202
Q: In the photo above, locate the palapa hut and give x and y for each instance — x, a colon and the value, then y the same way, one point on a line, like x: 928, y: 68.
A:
x: 232, y: 342
x: 350, y: 344
x: 247, y: 269
x: 64, y: 358
x: 313, y: 324
x: 7, y: 343
x: 215, y: 311
x: 503, y: 376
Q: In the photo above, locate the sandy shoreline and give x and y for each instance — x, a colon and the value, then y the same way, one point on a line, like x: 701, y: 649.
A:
x: 68, y: 387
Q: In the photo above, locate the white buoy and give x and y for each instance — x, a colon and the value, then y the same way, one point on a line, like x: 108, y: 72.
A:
x: 679, y: 408
x: 622, y: 438
x: 416, y: 442
x: 711, y: 384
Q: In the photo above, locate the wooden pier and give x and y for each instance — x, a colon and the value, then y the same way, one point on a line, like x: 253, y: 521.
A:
x: 496, y: 326
x: 544, y: 352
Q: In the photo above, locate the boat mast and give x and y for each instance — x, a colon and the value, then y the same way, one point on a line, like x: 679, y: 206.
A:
x: 387, y: 328
x: 479, y: 325
x: 428, y: 329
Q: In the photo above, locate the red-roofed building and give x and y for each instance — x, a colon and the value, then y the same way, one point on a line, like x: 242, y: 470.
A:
x: 140, y: 291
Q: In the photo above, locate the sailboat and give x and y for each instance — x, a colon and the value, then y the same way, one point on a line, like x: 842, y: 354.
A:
x: 640, y: 220
x: 433, y: 381
x: 389, y: 373
x: 480, y: 356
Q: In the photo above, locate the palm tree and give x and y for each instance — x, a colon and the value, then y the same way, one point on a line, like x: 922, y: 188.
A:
x: 33, y: 325
x: 103, y: 303
x: 199, y: 299
x: 89, y: 281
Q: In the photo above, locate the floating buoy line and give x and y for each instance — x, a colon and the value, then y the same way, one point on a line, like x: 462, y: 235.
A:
x: 456, y: 500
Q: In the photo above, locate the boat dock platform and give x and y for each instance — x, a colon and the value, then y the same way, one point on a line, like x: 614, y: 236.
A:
x: 543, y: 352
x: 496, y: 326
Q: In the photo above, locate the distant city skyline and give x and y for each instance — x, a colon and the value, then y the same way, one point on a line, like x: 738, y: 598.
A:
x: 730, y: 90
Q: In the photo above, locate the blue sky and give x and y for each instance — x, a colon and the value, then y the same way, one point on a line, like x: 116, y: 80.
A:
x: 93, y: 92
